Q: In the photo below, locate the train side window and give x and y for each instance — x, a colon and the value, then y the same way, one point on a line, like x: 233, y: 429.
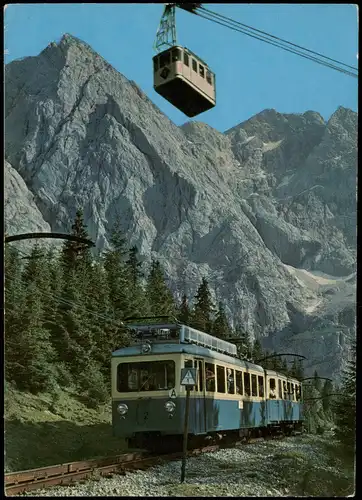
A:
x: 208, y: 77
x: 210, y: 377
x: 247, y: 383
x: 297, y: 392
x: 289, y: 391
x: 239, y: 382
x: 202, y: 71
x: 201, y: 376
x: 272, y: 389
x: 280, y: 389
x: 261, y: 386
x: 176, y: 55
x: 230, y: 380
x: 194, y: 65
x: 220, y: 371
x: 155, y: 63
x: 186, y: 59
x: 285, y: 391
x: 165, y: 59
x: 292, y: 394
x: 254, y: 386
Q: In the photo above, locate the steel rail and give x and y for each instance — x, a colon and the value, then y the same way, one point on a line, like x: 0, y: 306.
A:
x: 63, y: 474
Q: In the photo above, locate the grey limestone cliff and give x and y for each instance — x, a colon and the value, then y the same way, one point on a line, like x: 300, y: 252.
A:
x: 249, y: 208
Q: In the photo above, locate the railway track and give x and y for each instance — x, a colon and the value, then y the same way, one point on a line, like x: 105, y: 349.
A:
x: 43, y: 477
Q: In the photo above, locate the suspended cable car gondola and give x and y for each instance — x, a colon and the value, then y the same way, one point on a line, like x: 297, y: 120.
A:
x: 179, y: 75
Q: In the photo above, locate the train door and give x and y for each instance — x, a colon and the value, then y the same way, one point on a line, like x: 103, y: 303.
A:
x: 201, y: 397
x: 197, y: 418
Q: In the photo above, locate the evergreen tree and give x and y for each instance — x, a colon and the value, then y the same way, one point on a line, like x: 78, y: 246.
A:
x: 74, y: 251
x: 15, y: 300
x: 202, y: 314
x: 160, y: 298
x: 118, y: 275
x: 184, y: 311
x: 257, y: 352
x: 221, y: 327
x: 138, y: 301
x: 244, y: 347
x: 134, y: 265
x: 345, y: 406
x: 327, y: 400
x: 317, y: 381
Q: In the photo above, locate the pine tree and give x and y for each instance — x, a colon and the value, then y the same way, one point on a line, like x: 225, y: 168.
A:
x: 138, y: 300
x: 118, y: 275
x: 202, y: 314
x: 134, y: 265
x: 345, y: 406
x: 159, y: 296
x: 74, y: 251
x: 184, y: 311
x: 221, y: 327
x: 244, y: 346
x: 15, y: 300
x: 327, y: 400
x: 257, y: 351
x: 317, y: 381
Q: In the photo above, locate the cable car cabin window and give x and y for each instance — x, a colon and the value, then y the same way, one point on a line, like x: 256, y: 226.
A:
x: 165, y: 59
x: 155, y: 63
x: 261, y: 386
x: 230, y: 380
x: 210, y: 377
x: 272, y: 389
x: 208, y: 77
x: 176, y: 55
x: 254, y: 386
x: 220, y: 371
x: 247, y: 383
x: 146, y: 376
x: 186, y: 59
x: 239, y: 382
x: 194, y: 65
x: 280, y: 389
x: 202, y: 71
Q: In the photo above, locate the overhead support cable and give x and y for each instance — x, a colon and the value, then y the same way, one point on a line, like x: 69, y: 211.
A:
x: 263, y: 36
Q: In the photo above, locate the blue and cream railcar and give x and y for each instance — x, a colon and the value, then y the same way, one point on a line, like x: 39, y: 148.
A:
x: 284, y: 395
x: 230, y: 395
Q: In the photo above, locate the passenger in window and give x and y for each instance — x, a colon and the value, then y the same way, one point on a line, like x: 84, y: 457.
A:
x: 272, y: 391
x: 133, y: 380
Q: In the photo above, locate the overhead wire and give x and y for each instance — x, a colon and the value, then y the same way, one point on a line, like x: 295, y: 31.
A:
x: 278, y: 38
x: 254, y: 33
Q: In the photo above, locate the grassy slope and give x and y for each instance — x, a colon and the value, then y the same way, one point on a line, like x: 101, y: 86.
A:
x: 40, y: 431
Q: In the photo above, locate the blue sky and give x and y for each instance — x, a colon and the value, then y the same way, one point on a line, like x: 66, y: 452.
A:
x: 250, y: 75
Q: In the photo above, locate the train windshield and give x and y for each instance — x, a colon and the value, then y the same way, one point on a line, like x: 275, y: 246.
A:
x: 146, y: 376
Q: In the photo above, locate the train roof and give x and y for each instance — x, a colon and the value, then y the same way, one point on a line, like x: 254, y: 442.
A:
x: 195, y: 350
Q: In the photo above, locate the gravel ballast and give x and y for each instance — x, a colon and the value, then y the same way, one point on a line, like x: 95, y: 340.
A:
x: 269, y: 468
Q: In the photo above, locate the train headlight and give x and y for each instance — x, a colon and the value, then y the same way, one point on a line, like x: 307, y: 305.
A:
x: 170, y: 406
x: 122, y: 409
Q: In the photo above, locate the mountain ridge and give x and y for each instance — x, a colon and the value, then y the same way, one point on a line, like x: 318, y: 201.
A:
x: 235, y: 207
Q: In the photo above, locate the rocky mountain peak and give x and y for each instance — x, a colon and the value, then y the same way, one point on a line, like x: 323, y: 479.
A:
x: 266, y: 211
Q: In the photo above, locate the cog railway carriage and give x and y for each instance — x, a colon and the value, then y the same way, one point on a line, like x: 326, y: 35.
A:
x: 231, y: 395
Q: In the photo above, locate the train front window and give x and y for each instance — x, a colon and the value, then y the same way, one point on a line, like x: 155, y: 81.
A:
x: 146, y: 376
